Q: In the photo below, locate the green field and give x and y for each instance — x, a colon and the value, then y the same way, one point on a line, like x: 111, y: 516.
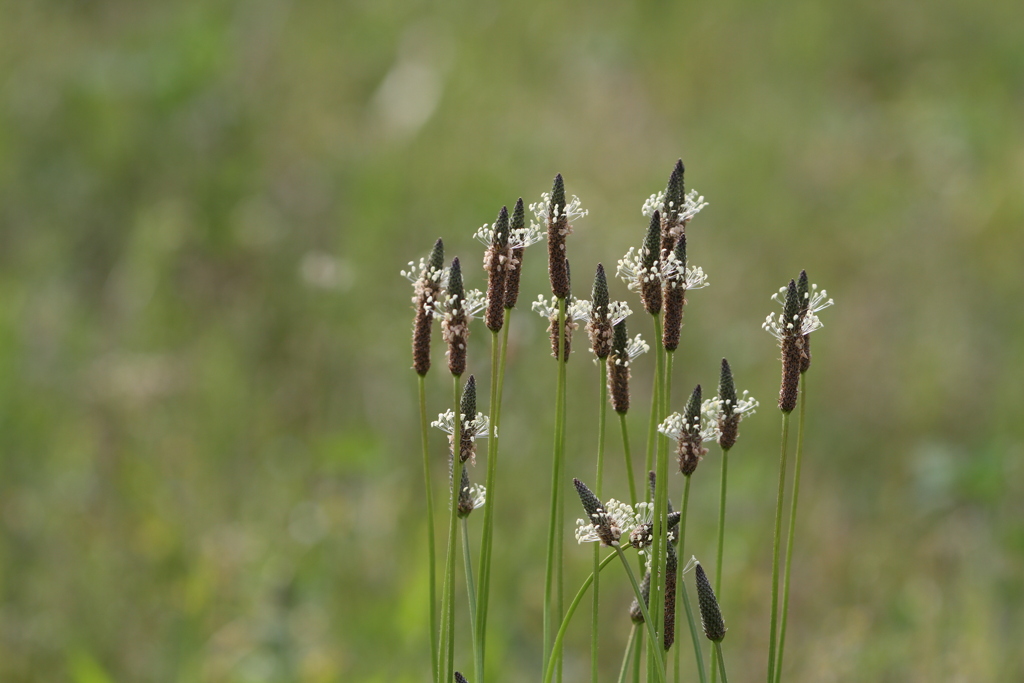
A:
x: 209, y: 447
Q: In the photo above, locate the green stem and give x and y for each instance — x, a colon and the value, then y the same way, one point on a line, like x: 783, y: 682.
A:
x: 637, y: 652
x: 721, y: 542
x: 694, y: 636
x: 480, y: 622
x: 431, y: 566
x: 471, y: 590
x: 553, y: 573
x: 556, y: 650
x: 449, y: 572
x: 629, y: 459
x: 792, y: 525
x: 630, y: 644
x: 658, y: 552
x: 655, y: 642
x: 595, y: 612
x: 721, y: 661
x: 775, y: 548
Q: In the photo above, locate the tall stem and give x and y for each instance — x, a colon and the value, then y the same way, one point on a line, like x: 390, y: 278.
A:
x: 553, y: 570
x: 655, y: 643
x: 792, y: 525
x: 698, y: 653
x: 658, y: 552
x: 721, y: 542
x: 629, y: 459
x: 602, y: 409
x: 630, y: 647
x: 486, y: 541
x: 449, y: 572
x: 556, y: 650
x: 721, y: 661
x: 471, y: 590
x: 775, y: 549
x: 431, y: 559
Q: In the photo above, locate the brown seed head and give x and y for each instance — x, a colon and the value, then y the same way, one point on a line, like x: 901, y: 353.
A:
x: 558, y: 229
x: 675, y: 300
x: 645, y: 590
x: 710, y: 614
x: 515, y: 266
x: 728, y: 419
x: 497, y: 259
x: 618, y: 370
x: 650, y: 286
x: 599, y: 328
x: 455, y: 327
x: 792, y: 346
x: 425, y: 293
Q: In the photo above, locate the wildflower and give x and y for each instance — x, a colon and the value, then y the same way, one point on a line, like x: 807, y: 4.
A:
x: 792, y: 327
x: 470, y: 428
x: 710, y: 613
x: 606, y: 523
x: 556, y: 216
x: 600, y: 315
x: 623, y: 352
x: 690, y: 432
x: 641, y: 270
x: 497, y: 259
x: 426, y: 279
x: 520, y: 237
x: 548, y: 308
x: 471, y: 496
x: 677, y: 279
x: 676, y: 207
x: 726, y: 410
x: 458, y: 310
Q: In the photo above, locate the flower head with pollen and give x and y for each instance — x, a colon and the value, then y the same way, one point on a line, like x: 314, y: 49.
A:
x: 692, y: 204
x: 690, y: 431
x: 801, y: 322
x: 473, y: 429
x: 471, y: 496
x: 607, y: 522
x: 548, y: 308
x: 677, y: 275
x: 426, y: 278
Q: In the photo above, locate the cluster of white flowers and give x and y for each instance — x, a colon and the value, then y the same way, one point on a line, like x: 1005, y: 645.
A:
x: 474, y: 302
x: 692, y: 205
x: 583, y: 310
x: 777, y: 325
x: 517, y: 239
x: 548, y: 308
x: 620, y: 517
x: 571, y: 211
x: 634, y: 348
x: 477, y: 428
x: 477, y: 495
x: 675, y: 426
x: 631, y: 269
x: 715, y: 408
x: 417, y: 271
x: 675, y: 274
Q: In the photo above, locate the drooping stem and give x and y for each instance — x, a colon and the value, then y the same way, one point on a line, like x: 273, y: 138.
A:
x: 471, y: 590
x: 431, y: 560
x: 775, y: 549
x: 629, y: 459
x: 553, y: 569
x: 556, y: 650
x: 721, y: 661
x: 655, y: 643
x: 694, y: 633
x: 792, y: 526
x: 721, y: 541
x: 449, y: 572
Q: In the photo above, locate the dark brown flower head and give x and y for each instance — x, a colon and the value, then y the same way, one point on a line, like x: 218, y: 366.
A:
x: 792, y: 356
x: 623, y: 352
x: 604, y: 523
x: 517, y: 228
x: 671, y: 227
x: 687, y: 429
x: 455, y: 327
x: 549, y: 310
x: 710, y: 614
x: 459, y: 678
x: 671, y: 565
x: 599, y: 327
x: 645, y: 590
x: 650, y: 283
x: 804, y: 291
x: 467, y: 440
x: 675, y: 295
x: 558, y: 229
x: 728, y: 418
x: 426, y: 279
x: 471, y: 496
x: 497, y: 260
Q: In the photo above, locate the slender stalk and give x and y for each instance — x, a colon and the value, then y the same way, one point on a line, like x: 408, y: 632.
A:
x: 630, y: 646
x: 556, y: 650
x: 471, y: 590
x: 637, y: 651
x: 721, y: 541
x: 694, y: 634
x: 595, y: 612
x: 629, y: 460
x: 658, y: 552
x: 457, y: 465
x: 553, y: 573
x: 721, y: 661
x: 431, y: 566
x: 775, y: 549
x: 669, y: 356
x: 792, y: 525
x: 560, y: 525
x: 655, y: 643
x: 486, y: 540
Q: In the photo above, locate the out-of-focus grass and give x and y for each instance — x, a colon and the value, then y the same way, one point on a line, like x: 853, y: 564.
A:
x: 210, y: 467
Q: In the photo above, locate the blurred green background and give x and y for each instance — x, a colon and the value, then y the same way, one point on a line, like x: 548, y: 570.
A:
x: 210, y: 467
